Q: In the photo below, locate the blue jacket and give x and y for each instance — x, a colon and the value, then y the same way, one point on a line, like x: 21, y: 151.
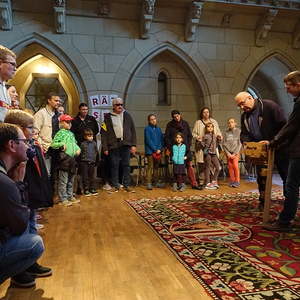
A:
x: 178, y: 154
x: 153, y: 139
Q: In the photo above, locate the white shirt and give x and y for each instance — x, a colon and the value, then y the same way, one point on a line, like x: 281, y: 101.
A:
x: 5, y: 101
x: 117, y: 121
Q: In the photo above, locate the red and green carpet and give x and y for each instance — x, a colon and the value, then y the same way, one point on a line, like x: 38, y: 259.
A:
x: 220, y: 240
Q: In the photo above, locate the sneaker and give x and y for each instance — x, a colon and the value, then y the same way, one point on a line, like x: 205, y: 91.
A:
x: 93, y: 192
x: 107, y: 187
x: 66, y: 203
x: 175, y: 187
x: 23, y: 280
x: 277, y: 226
x: 214, y: 183
x: 196, y: 187
x: 73, y: 200
x: 182, y: 188
x: 128, y: 189
x: 39, y: 226
x: 210, y: 186
x: 39, y: 271
x: 236, y: 184
x: 149, y: 186
x: 113, y: 190
x: 231, y: 184
x: 87, y: 193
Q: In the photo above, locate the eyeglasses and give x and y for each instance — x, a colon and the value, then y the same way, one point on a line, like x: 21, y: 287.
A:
x: 119, y: 104
x: 11, y: 63
x: 25, y: 141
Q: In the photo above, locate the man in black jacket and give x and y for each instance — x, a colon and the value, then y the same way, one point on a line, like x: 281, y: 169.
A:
x: 118, y: 137
x: 260, y: 122
x: 177, y: 124
x: 289, y: 137
x: 19, y: 248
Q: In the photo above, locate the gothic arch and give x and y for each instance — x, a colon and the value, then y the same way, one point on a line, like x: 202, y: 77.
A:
x: 136, y: 60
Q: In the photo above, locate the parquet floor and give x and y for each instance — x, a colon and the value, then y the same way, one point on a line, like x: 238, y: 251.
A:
x: 101, y: 250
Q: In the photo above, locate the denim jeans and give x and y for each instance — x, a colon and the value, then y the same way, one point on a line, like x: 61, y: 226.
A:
x: 65, y: 185
x: 119, y: 156
x: 292, y: 192
x: 19, y: 253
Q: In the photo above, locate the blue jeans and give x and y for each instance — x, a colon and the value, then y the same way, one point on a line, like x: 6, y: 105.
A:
x: 65, y: 185
x: 19, y: 253
x: 292, y: 192
x: 119, y: 156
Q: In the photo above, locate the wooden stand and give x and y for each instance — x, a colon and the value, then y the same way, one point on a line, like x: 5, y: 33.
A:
x: 261, y: 155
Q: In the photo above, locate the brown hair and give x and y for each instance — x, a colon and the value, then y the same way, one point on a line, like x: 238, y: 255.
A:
x: 178, y: 133
x: 4, y: 52
x: 292, y: 77
x: 208, y: 124
x: 19, y: 117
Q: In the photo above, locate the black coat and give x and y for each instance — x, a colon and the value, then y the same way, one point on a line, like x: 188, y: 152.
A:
x: 79, y: 125
x: 38, y: 186
x: 108, y: 137
x: 289, y: 135
x: 173, y: 128
x: 271, y: 119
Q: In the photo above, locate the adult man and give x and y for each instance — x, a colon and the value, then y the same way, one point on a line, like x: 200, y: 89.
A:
x: 177, y: 124
x: 260, y: 122
x: 8, y: 68
x: 289, y: 137
x: 83, y: 121
x: 154, y: 142
x: 46, y: 121
x: 19, y: 248
x: 118, y: 138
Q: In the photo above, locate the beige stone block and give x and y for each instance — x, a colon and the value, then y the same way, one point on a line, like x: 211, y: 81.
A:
x: 82, y: 25
x: 227, y: 102
x: 143, y: 86
x: 166, y: 36
x: 120, y: 81
x: 84, y: 43
x: 231, y: 68
x: 96, y: 62
x: 224, y: 52
x: 240, y: 53
x: 208, y: 51
x: 112, y: 62
x: 103, y: 45
x: 131, y: 61
x: 257, y: 53
x: 141, y: 101
x: 217, y: 67
x: 187, y: 103
x: 145, y: 70
x: 239, y: 83
x: 213, y: 102
x: 122, y: 28
x: 182, y: 87
x: 104, y: 80
x: 211, y: 34
x: 145, y: 46
x: 225, y: 84
x: 239, y: 37
x: 122, y: 46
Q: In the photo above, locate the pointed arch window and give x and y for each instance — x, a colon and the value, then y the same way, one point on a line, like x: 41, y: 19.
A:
x: 163, y: 86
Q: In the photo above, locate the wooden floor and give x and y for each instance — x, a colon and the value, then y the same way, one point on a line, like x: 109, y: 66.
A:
x: 100, y: 249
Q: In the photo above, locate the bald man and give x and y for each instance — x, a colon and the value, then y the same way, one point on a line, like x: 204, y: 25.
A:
x: 261, y: 120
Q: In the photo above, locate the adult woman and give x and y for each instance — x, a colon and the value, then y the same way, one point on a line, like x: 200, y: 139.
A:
x: 198, y: 133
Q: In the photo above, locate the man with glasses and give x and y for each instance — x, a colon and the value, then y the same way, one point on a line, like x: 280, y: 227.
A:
x: 8, y: 68
x: 261, y: 120
x: 19, y: 247
x: 118, y: 138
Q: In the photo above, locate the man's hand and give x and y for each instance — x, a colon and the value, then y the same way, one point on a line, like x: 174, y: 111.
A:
x: 17, y: 173
x: 158, y: 151
x: 105, y: 152
x: 265, y: 142
x: 133, y: 150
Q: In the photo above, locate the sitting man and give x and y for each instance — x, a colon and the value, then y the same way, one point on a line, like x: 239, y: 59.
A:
x: 19, y: 248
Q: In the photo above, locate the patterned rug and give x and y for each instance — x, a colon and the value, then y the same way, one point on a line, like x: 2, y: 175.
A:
x: 220, y: 240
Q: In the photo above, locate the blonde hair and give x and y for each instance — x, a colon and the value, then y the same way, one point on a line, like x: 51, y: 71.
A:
x: 19, y: 117
x: 292, y: 77
x: 4, y: 52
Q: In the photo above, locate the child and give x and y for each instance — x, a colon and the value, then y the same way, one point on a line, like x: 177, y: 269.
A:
x: 232, y: 147
x: 178, y: 158
x: 209, y: 143
x: 88, y: 157
x: 65, y: 140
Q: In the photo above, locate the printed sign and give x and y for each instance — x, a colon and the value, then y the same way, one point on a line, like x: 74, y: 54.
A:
x: 94, y: 100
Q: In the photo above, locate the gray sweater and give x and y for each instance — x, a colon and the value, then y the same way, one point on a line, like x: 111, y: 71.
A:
x: 232, y: 142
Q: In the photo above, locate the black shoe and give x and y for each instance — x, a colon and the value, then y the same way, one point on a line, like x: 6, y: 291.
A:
x: 39, y: 271
x: 87, y: 193
x: 196, y: 187
x: 93, y: 192
x: 23, y: 280
x: 128, y: 189
x: 79, y: 192
x: 277, y: 226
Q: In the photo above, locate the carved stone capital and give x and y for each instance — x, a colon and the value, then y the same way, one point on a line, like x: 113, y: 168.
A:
x: 60, y: 16
x: 192, y: 20
x: 6, y: 15
x: 103, y: 7
x: 264, y: 26
x: 147, y: 17
x: 296, y: 36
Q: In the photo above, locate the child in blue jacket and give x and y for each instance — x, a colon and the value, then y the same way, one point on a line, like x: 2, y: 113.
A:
x: 178, y: 158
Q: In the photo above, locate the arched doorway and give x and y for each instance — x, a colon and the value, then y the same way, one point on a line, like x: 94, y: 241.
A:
x: 267, y: 82
x: 159, y: 85
x: 40, y: 72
